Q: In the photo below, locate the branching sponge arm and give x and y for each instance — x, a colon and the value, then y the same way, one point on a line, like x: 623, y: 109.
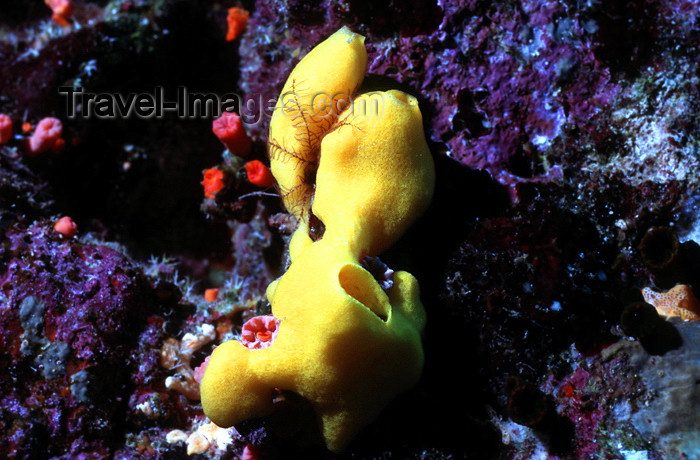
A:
x: 317, y: 90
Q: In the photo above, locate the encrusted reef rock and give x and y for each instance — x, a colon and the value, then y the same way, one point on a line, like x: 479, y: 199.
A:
x: 80, y: 333
x: 622, y: 399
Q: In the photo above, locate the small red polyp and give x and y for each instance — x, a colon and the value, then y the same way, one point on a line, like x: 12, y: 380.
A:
x: 230, y: 131
x: 259, y: 332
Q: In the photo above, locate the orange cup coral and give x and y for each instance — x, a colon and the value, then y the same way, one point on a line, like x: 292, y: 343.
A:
x: 66, y: 227
x: 230, y: 131
x: 213, y: 182
x: 237, y: 21
x: 45, y: 136
x: 259, y: 174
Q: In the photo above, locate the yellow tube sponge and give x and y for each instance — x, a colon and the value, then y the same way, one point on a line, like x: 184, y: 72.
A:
x: 317, y: 90
x: 376, y: 175
x: 345, y: 343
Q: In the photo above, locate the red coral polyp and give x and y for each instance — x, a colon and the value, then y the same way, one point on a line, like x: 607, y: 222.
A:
x: 5, y: 128
x: 259, y: 332
x: 62, y: 11
x: 66, y: 227
x: 259, y: 174
x: 237, y: 21
x: 212, y: 182
x: 230, y: 131
x: 47, y: 133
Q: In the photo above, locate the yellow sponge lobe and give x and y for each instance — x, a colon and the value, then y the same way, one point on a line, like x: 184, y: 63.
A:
x: 332, y: 348
x: 317, y: 90
x: 376, y: 176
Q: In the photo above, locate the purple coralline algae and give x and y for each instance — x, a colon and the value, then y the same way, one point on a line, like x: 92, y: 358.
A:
x: 78, y: 323
x: 502, y: 83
